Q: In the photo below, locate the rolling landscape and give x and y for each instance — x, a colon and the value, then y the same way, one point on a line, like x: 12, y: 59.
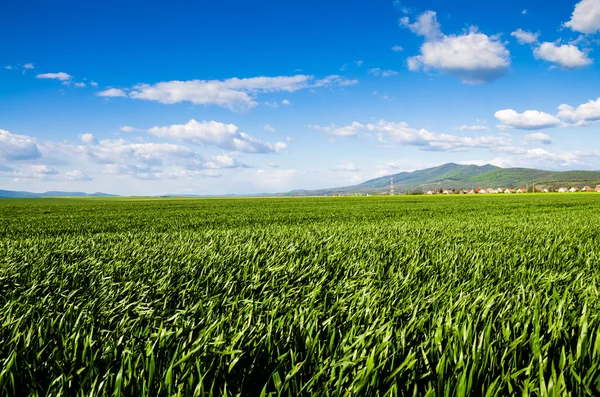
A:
x: 455, y: 176
x: 298, y: 199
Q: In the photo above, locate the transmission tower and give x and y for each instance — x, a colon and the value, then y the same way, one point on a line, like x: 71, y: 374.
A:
x: 391, y: 185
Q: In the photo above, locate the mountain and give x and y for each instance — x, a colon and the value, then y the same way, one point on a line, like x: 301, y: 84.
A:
x: 17, y: 194
x: 456, y: 176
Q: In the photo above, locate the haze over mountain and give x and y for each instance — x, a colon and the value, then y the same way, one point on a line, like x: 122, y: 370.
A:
x: 20, y: 194
x: 457, y: 176
x: 268, y: 105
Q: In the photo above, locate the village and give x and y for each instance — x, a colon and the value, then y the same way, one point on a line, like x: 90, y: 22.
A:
x: 573, y: 189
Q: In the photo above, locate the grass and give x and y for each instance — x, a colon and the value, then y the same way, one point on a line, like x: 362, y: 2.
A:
x: 377, y: 296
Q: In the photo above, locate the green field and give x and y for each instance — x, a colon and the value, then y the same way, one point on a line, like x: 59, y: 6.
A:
x: 371, y: 296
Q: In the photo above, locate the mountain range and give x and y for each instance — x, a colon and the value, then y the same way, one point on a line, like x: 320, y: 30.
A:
x: 457, y: 176
x: 17, y: 194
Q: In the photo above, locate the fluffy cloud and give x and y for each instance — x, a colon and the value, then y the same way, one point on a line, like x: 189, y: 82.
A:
x: 80, y: 85
x: 88, y: 139
x: 537, y: 137
x: 42, y: 169
x: 475, y: 127
x: 426, y: 25
x: 286, y: 102
x: 586, y: 17
x: 382, y: 73
x: 269, y: 128
x: 231, y: 93
x: 93, y: 84
x: 403, y: 134
x: 397, y: 48
x: 62, y: 76
x: 28, y: 66
x: 473, y: 57
x: 528, y: 120
x: 112, y: 92
x: 213, y: 133
x: 541, y: 158
x: 77, y: 175
x: 589, y: 111
x: 17, y: 147
x: 524, y: 37
x: 128, y: 128
x: 347, y: 167
x: 566, y: 56
x: 350, y: 130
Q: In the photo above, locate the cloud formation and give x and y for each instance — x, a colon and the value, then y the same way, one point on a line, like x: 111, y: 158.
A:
x: 234, y: 93
x: 528, y: 120
x: 402, y: 133
x: 213, y: 133
x: 62, y: 76
x: 566, y: 56
x: 473, y: 57
x: 524, y: 37
x: 585, y: 17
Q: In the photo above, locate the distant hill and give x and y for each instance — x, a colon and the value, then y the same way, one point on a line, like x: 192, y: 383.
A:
x: 456, y: 176
x: 17, y: 194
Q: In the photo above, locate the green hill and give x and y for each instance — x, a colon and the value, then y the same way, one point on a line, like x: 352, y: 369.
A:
x: 456, y: 176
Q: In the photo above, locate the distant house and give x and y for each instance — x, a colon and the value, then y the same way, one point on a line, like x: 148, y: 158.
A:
x: 470, y: 191
x: 546, y: 190
x: 500, y: 190
x: 430, y: 192
x: 598, y: 188
x: 563, y: 190
x: 509, y: 191
x: 587, y: 189
x: 480, y: 190
x: 521, y: 190
x: 447, y: 191
x: 574, y: 189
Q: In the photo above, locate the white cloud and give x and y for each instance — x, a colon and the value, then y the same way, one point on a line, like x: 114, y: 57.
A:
x: 586, y: 17
x: 358, y: 63
x: 334, y: 80
x: 269, y: 128
x: 213, y: 133
x: 566, y: 56
x: 8, y: 67
x: 397, y: 48
x: 544, y: 159
x: 473, y: 57
x: 347, y: 167
x: 350, y: 130
x: 17, y: 147
x: 537, y: 137
x: 77, y: 175
x: 112, y: 92
x: 62, y: 76
x: 382, y: 73
x: 524, y: 12
x: 88, y: 139
x: 524, y: 37
x: 273, y: 165
x: 589, y: 111
x: 93, y: 84
x: 231, y: 93
x: 79, y: 85
x: 42, y: 169
x: 528, y: 120
x: 223, y: 161
x: 403, y: 134
x: 28, y: 66
x: 128, y: 128
x: 475, y: 127
x: 426, y: 25
x: 286, y: 102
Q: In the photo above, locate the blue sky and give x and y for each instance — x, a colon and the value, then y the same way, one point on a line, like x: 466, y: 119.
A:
x: 241, y: 97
